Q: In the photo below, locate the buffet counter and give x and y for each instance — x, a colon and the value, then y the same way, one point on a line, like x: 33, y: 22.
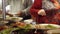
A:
x: 22, y: 28
x: 17, y: 25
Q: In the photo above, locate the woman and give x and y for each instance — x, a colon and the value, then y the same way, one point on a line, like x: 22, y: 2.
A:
x: 46, y: 11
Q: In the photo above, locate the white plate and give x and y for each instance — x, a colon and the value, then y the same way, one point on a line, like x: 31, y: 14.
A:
x: 51, y: 24
x: 14, y: 18
x: 28, y: 21
x: 45, y: 26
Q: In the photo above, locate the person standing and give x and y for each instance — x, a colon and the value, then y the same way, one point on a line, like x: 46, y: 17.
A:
x: 21, y: 8
x: 46, y: 11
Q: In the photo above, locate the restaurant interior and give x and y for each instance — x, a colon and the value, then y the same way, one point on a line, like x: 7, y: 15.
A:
x: 13, y: 24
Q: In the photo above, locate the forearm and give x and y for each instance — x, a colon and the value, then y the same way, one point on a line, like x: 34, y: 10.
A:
x: 26, y: 11
x: 27, y: 5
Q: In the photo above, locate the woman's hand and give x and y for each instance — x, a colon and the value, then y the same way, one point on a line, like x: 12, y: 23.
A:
x: 42, y: 12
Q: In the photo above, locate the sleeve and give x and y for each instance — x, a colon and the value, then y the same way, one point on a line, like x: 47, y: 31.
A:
x: 36, y: 7
x: 27, y: 5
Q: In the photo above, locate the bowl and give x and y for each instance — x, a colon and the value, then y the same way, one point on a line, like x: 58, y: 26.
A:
x: 28, y: 21
x: 16, y: 19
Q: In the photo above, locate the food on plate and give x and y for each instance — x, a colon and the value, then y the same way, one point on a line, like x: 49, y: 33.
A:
x: 8, y: 31
x: 18, y: 24
x: 50, y: 27
x: 21, y: 24
x: 40, y: 26
x: 16, y: 18
x: 37, y: 26
x: 3, y: 27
